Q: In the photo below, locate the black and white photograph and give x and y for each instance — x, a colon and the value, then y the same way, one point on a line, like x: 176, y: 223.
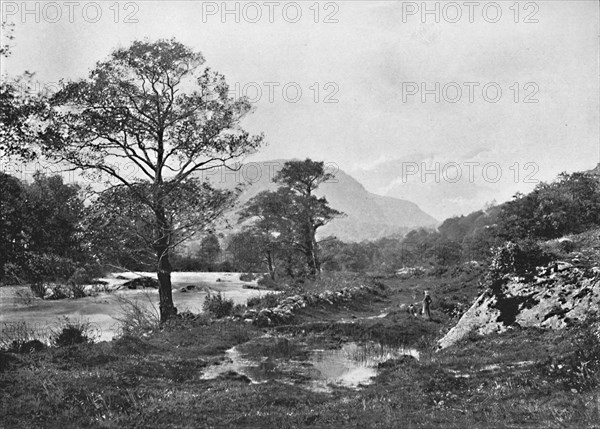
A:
x: 300, y: 214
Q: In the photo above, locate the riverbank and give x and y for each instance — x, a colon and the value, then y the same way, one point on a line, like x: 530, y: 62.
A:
x: 185, y: 374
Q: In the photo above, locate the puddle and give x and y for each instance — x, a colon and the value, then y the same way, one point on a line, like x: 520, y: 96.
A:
x: 350, y: 366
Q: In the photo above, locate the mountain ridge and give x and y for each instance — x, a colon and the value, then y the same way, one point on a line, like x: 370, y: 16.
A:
x: 368, y: 216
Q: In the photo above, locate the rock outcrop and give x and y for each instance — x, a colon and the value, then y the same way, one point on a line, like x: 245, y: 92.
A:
x: 556, y: 297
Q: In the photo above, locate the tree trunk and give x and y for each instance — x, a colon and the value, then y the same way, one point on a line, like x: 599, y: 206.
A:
x: 165, y: 292
x: 315, y: 256
x: 270, y: 265
x: 312, y: 258
x: 163, y: 268
x: 311, y: 248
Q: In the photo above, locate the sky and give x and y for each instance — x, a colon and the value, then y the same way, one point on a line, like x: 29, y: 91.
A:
x: 447, y: 105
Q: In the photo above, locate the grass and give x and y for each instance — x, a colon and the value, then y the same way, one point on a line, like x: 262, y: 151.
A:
x: 137, y: 317
x: 143, y: 383
x: 155, y: 380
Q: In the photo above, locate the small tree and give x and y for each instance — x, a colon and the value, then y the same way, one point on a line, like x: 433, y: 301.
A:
x: 154, y: 107
x: 273, y: 234
x: 209, y: 251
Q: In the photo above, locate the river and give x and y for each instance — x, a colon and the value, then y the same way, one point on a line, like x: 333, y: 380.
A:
x: 41, y: 316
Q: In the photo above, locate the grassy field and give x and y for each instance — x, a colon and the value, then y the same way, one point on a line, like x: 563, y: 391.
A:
x: 525, y: 378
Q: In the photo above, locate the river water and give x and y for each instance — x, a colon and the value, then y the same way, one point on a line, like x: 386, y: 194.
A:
x: 16, y: 304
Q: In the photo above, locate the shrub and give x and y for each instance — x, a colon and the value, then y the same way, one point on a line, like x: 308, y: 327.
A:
x: 248, y: 277
x: 72, y: 332
x: 253, y: 301
x: 38, y: 289
x: 265, y: 301
x: 217, y: 306
x: 77, y: 290
x: 82, y: 276
x: 27, y: 347
x: 519, y: 258
x: 46, y: 267
x: 136, y: 318
x: 268, y: 283
x: 238, y: 309
x: 14, y: 336
x: 566, y: 246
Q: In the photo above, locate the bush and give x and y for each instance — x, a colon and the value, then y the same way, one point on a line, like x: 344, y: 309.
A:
x: 38, y: 289
x: 72, y: 332
x: 217, y: 306
x: 82, y: 276
x: 45, y: 267
x: 265, y: 301
x: 248, y: 277
x: 15, y: 336
x: 27, y: 347
x: 238, y: 309
x: 136, y: 318
x: 268, y: 283
x: 566, y: 246
x: 519, y: 258
x: 77, y: 291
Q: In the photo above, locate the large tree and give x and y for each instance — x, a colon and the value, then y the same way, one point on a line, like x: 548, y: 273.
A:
x: 303, y: 178
x: 150, y: 118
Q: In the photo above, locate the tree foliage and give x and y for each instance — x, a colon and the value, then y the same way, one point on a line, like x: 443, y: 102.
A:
x: 152, y: 106
x: 40, y: 228
x: 19, y: 108
x: 283, y: 224
x: 569, y: 205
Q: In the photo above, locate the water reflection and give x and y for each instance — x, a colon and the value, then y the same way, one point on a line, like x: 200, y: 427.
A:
x: 350, y: 366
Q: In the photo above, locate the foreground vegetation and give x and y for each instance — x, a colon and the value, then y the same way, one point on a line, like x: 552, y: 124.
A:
x: 522, y: 378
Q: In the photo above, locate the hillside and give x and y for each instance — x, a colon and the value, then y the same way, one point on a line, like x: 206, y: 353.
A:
x: 369, y: 216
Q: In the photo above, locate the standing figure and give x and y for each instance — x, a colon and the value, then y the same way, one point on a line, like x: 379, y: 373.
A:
x: 426, y: 305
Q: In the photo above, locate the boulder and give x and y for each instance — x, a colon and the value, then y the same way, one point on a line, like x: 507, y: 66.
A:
x: 141, y: 283
x: 551, y: 300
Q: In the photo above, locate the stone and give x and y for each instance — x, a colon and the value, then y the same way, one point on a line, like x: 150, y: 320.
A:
x: 553, y: 301
x: 141, y: 282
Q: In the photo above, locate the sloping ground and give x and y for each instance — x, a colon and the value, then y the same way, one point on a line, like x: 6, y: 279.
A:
x: 556, y: 298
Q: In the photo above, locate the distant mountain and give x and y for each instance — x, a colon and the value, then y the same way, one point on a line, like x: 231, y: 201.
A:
x: 369, y: 216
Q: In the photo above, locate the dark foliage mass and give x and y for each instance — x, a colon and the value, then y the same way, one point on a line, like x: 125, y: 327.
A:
x: 40, y: 230
x: 569, y: 205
